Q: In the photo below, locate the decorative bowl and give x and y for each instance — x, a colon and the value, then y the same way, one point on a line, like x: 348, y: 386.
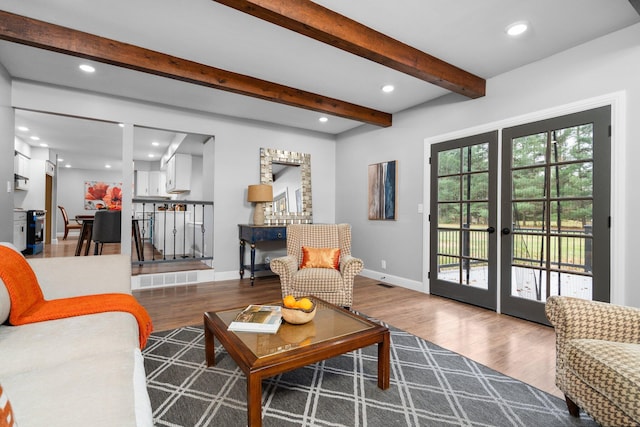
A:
x: 298, y: 316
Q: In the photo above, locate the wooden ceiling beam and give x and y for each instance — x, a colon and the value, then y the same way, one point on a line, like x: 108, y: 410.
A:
x: 322, y: 24
x: 43, y: 35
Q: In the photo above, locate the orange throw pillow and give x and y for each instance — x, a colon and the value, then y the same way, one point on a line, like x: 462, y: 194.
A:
x: 320, y: 258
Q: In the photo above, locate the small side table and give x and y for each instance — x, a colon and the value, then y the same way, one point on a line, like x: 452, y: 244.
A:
x: 257, y: 233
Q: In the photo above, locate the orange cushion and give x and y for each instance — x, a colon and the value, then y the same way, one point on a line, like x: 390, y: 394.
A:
x: 320, y: 258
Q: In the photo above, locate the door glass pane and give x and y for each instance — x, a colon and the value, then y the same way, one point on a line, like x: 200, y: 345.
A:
x: 574, y: 216
x: 448, y: 215
x: 476, y: 274
x: 573, y: 143
x: 475, y: 158
x: 529, y: 183
x: 529, y: 283
x: 476, y: 215
x: 449, y: 269
x: 571, y: 285
x: 449, y: 188
x: 528, y: 216
x: 572, y: 180
x: 475, y: 186
x: 529, y: 150
x: 569, y: 253
x: 478, y: 244
x: 529, y: 249
x: 449, y: 162
x: 449, y: 242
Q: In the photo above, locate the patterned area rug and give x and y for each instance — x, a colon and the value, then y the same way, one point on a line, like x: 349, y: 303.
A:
x: 430, y: 386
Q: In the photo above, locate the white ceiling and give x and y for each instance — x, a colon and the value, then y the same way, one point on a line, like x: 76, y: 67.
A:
x: 466, y: 33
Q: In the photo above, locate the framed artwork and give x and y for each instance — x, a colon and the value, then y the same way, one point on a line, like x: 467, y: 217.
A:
x: 102, y: 195
x: 383, y: 179
x: 281, y: 203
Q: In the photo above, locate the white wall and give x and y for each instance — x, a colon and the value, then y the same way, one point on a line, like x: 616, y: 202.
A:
x: 235, y: 158
x: 6, y: 157
x: 599, y: 68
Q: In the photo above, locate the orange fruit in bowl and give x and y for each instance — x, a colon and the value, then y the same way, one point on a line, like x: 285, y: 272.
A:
x: 290, y: 301
x: 305, y: 304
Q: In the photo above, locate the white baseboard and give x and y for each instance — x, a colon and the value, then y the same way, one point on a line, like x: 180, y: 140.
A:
x: 394, y: 280
x: 177, y: 278
x: 234, y: 274
x: 148, y: 281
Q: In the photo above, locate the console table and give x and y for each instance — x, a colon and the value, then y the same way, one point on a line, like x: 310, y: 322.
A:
x: 257, y: 233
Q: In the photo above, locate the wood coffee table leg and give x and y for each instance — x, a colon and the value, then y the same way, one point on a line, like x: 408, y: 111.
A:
x: 209, y: 345
x: 254, y: 400
x: 384, y: 361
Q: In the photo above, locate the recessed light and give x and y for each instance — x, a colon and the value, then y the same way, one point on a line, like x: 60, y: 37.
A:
x: 517, y: 28
x: 107, y: 166
x: 323, y: 119
x: 60, y: 159
x: 121, y: 125
x: 388, y: 88
x: 87, y: 68
x: 42, y: 144
x: 23, y: 128
x: 67, y: 166
x: 35, y: 138
x: 151, y: 155
x: 155, y: 143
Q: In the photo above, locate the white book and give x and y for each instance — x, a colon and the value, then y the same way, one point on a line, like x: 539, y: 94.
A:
x: 258, y: 318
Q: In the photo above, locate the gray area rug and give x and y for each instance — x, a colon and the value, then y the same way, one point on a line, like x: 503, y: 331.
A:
x: 430, y: 386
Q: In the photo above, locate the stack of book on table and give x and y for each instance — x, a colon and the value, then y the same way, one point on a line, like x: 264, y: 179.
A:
x: 258, y: 318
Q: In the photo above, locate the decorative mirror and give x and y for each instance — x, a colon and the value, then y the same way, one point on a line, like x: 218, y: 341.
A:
x: 289, y: 173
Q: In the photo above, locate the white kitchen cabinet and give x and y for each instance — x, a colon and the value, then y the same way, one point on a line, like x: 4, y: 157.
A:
x: 157, y: 184
x: 179, y: 173
x: 142, y: 183
x: 21, y: 171
x: 150, y: 184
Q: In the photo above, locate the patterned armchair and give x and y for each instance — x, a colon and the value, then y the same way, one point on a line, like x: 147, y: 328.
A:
x: 598, y: 358
x: 330, y: 284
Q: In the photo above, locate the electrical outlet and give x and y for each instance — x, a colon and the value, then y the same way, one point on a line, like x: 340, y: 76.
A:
x: 383, y: 264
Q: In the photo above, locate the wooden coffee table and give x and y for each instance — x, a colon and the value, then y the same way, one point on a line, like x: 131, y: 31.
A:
x: 332, y: 332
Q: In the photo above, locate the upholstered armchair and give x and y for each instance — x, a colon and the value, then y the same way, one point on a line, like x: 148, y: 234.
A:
x: 334, y: 285
x: 598, y: 358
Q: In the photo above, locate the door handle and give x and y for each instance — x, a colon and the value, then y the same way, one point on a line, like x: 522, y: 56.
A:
x: 491, y: 230
x: 506, y: 231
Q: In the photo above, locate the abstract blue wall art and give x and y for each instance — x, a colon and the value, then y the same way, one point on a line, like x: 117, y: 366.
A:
x: 383, y: 178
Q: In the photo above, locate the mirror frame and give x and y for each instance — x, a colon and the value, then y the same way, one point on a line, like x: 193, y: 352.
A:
x: 269, y: 156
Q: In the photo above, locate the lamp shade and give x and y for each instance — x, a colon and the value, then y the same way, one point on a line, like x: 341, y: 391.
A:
x: 260, y: 193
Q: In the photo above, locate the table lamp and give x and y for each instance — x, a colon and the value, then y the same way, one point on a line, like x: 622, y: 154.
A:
x: 259, y: 194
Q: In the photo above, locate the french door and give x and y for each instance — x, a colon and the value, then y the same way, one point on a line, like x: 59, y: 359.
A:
x: 463, y: 219
x: 555, y: 212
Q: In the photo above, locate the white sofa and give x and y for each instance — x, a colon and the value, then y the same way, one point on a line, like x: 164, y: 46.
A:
x: 79, y: 371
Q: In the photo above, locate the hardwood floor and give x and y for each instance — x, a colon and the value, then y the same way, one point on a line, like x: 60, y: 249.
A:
x: 514, y: 347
